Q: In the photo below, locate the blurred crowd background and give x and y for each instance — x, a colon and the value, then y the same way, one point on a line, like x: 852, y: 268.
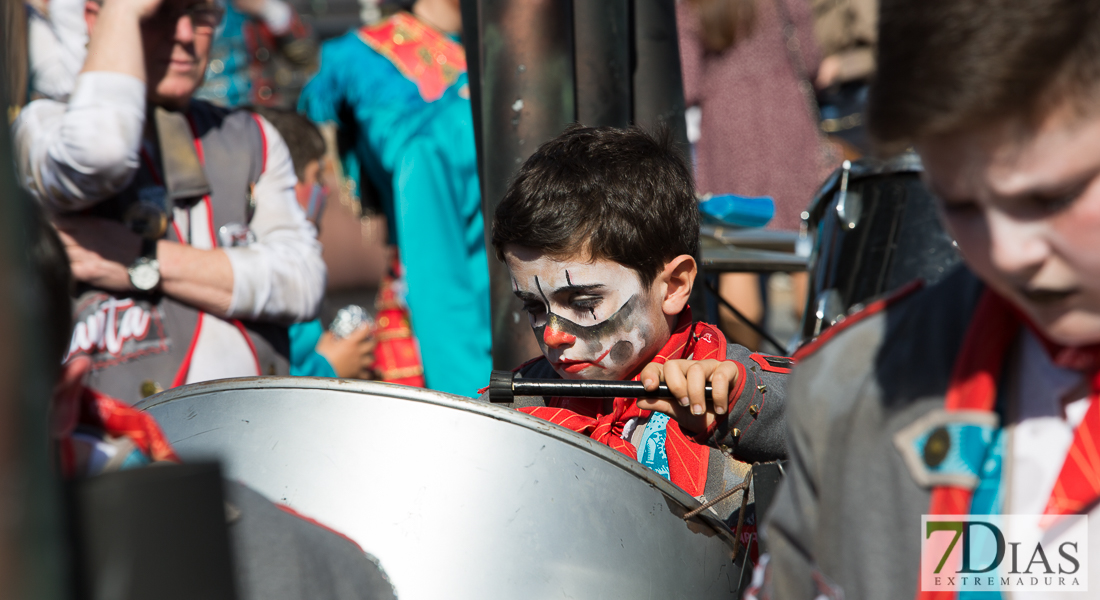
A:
x: 372, y: 101
x: 290, y: 187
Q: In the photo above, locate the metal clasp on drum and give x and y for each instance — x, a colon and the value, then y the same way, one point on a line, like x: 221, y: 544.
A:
x: 849, y: 205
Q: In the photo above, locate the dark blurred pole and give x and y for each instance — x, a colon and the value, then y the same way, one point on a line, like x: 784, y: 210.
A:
x: 601, y: 33
x: 471, y: 29
x: 658, y: 82
x: 33, y: 556
x: 535, y: 66
x: 525, y: 96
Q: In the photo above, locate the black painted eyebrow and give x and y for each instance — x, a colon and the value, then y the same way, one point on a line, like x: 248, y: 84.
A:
x: 572, y: 289
x: 568, y: 289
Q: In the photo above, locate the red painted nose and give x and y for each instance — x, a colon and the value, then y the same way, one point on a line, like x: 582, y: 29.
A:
x: 555, y: 338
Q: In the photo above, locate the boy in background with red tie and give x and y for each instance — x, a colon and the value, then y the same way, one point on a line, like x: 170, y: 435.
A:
x: 977, y: 396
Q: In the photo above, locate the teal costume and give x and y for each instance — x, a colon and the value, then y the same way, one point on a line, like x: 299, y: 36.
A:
x: 304, y: 359
x: 227, y: 80
x: 250, y: 64
x: 397, y: 90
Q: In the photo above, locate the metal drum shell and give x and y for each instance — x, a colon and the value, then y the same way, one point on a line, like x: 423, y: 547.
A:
x: 456, y: 498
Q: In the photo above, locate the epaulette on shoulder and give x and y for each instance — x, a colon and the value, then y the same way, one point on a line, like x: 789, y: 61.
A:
x: 868, y: 311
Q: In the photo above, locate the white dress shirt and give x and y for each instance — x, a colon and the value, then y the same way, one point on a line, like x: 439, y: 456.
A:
x: 57, y: 43
x: 76, y: 154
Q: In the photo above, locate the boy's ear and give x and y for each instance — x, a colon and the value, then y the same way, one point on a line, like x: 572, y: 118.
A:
x: 678, y: 277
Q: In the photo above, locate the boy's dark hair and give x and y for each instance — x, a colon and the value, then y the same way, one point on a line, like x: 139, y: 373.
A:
x: 951, y: 65
x: 620, y: 194
x: 302, y: 137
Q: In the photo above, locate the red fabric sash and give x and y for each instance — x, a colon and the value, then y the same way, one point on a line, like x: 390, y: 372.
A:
x: 1078, y: 485
x: 973, y: 386
x: 118, y: 419
x: 687, y: 460
x: 428, y: 58
x: 396, y: 357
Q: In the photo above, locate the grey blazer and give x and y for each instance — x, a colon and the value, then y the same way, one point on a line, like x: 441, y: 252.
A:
x: 850, y: 505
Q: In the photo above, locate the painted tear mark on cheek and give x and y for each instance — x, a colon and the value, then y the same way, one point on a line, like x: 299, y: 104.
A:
x: 621, y: 351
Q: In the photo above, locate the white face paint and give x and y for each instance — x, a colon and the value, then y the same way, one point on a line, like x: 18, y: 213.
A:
x: 593, y: 320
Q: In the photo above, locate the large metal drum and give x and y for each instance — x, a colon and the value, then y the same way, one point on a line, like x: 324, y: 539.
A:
x: 457, y: 499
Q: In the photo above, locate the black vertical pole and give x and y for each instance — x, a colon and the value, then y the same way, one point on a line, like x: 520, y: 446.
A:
x: 535, y: 66
x: 471, y: 42
x: 658, y: 82
x: 659, y: 88
x: 602, y: 42
x: 526, y: 96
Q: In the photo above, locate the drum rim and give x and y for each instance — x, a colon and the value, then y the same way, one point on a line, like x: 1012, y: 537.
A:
x: 906, y: 162
x: 484, y: 409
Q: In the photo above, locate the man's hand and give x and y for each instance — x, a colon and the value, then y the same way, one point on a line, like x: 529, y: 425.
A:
x: 687, y: 380
x: 350, y: 357
x: 100, y: 251
x: 114, y: 35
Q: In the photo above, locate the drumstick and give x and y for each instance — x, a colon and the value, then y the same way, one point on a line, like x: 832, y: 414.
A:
x: 504, y: 387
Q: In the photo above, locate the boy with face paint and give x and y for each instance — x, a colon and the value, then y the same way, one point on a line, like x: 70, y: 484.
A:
x: 999, y: 362
x: 599, y: 231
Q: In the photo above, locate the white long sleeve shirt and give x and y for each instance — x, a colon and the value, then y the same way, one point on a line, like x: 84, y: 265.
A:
x: 76, y: 154
x: 57, y: 41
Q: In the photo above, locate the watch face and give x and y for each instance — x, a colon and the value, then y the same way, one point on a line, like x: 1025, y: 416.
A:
x: 145, y: 274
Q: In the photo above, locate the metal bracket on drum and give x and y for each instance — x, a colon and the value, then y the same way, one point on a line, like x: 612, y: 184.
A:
x: 504, y: 386
x: 849, y: 205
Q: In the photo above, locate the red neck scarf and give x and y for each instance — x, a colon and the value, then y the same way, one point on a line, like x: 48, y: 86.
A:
x: 687, y: 460
x: 973, y: 386
x: 117, y: 419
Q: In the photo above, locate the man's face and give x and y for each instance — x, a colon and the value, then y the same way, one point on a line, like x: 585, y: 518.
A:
x: 1024, y: 207
x: 593, y: 319
x: 176, y: 41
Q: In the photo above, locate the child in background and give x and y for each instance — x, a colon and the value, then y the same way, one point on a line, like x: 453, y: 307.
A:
x: 600, y: 232
x: 314, y: 351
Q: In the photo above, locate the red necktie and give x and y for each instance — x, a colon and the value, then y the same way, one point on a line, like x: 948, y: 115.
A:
x: 973, y: 386
x: 1078, y: 485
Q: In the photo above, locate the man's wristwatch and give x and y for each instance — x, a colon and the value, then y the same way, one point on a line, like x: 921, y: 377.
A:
x: 145, y: 272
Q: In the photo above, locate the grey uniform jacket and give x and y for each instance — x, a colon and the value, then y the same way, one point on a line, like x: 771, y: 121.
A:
x: 850, y: 506
x: 754, y: 430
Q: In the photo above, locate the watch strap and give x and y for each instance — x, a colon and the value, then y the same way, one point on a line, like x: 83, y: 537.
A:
x: 149, y: 248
